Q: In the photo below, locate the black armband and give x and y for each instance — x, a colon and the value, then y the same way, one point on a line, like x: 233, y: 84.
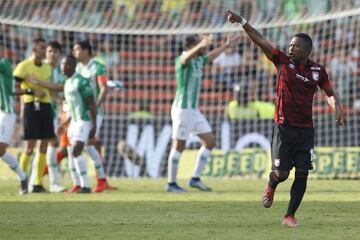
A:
x: 29, y: 91
x: 17, y: 79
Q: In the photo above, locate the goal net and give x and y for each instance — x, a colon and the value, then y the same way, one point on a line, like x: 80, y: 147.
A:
x: 138, y: 41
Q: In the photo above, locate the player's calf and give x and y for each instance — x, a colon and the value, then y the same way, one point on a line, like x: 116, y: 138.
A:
x: 269, y: 191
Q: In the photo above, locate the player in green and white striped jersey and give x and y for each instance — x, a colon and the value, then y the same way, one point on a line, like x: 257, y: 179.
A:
x: 8, y: 117
x: 56, y: 85
x: 185, y: 115
x: 80, y: 101
x: 97, y: 74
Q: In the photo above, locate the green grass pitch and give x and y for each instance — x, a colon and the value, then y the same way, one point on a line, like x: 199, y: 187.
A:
x: 140, y: 209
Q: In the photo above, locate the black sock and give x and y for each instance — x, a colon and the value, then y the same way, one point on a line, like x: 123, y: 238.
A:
x: 297, y: 192
x: 274, y: 180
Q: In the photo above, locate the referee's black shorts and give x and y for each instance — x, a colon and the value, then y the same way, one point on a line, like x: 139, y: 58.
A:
x: 38, y: 121
x: 292, y: 147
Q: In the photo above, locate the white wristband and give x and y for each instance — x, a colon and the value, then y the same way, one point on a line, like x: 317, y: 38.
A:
x: 243, y: 22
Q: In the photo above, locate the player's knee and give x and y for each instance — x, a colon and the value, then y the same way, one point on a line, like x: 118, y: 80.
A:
x: 211, y: 144
x: 77, y: 149
x: 301, y: 174
x: 29, y: 151
x: 43, y: 149
x: 179, y: 145
x: 2, y: 149
x: 282, y: 175
x: 179, y: 148
x: 54, y: 142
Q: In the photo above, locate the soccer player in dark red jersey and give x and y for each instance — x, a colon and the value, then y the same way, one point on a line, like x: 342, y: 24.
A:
x: 293, y: 136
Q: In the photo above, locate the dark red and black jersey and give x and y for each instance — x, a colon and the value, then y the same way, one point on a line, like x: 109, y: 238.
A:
x: 295, y: 89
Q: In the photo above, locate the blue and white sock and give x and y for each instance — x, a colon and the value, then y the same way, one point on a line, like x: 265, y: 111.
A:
x: 53, y: 167
x: 81, y: 169
x: 13, y: 164
x: 95, y: 156
x: 72, y: 167
x: 173, y: 164
x: 201, y: 160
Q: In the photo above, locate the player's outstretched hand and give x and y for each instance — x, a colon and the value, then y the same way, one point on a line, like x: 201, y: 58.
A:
x: 207, y: 40
x: 340, y: 118
x: 232, y: 41
x: 233, y: 17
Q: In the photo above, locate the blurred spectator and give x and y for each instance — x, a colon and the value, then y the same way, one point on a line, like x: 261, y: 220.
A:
x: 343, y: 70
x: 242, y: 107
x: 127, y: 5
x: 225, y: 67
x: 108, y: 56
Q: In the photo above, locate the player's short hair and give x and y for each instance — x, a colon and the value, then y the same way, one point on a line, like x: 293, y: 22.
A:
x: 55, y: 45
x: 70, y: 56
x: 191, y: 40
x: 85, y: 45
x: 307, y: 40
x: 39, y: 40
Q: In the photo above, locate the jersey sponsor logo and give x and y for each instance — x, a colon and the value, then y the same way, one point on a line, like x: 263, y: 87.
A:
x: 315, y: 75
x: 277, y: 162
x: 302, y: 78
x: 292, y: 66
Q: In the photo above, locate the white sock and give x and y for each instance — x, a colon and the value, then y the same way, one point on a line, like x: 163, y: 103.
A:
x: 51, y: 162
x: 33, y: 169
x: 201, y: 160
x: 95, y: 156
x: 13, y: 164
x: 81, y: 169
x: 173, y: 163
x: 72, y: 168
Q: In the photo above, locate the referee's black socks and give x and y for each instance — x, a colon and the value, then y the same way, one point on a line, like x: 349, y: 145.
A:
x: 297, y: 191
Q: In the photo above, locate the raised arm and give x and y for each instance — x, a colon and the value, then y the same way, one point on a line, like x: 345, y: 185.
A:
x: 335, y: 104
x: 102, y: 94
x: 230, y: 42
x: 253, y: 34
x: 49, y: 85
x: 93, y: 111
x: 205, y: 41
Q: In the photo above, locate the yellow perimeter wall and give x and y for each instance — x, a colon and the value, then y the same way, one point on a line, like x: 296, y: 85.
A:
x: 329, y: 162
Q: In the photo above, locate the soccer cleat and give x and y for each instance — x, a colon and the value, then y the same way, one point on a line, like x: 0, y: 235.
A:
x: 55, y: 188
x: 84, y: 190
x: 197, y: 183
x: 268, y: 196
x: 38, y: 189
x: 23, y: 187
x: 101, y: 186
x: 110, y: 188
x: 75, y: 189
x: 290, y: 221
x: 173, y: 187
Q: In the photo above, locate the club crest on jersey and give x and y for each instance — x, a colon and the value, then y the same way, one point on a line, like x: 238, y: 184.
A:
x: 315, y: 75
x: 277, y: 162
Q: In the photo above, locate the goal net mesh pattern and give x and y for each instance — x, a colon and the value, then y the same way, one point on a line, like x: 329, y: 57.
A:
x: 138, y: 41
